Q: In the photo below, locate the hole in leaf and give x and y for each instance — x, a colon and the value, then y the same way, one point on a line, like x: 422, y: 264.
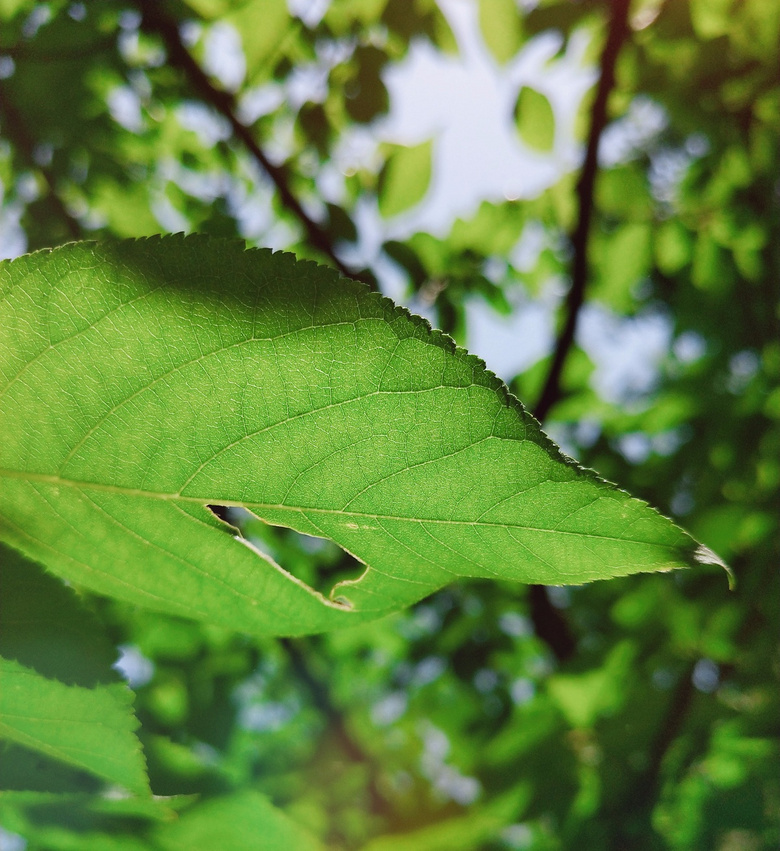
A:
x: 318, y: 562
x: 221, y: 512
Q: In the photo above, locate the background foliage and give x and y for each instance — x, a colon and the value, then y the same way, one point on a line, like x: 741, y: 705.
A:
x: 636, y: 713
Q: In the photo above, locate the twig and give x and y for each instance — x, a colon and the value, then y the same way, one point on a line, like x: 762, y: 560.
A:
x: 639, y: 798
x: 631, y: 813
x: 616, y: 35
x: 550, y: 625
x: 319, y: 692
x: 155, y: 20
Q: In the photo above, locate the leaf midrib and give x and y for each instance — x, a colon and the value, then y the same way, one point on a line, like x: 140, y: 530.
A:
x: 259, y: 506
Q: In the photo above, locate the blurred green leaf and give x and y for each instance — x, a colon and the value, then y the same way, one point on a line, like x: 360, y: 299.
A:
x: 235, y: 822
x: 712, y: 18
x: 499, y: 21
x: 65, y: 822
x: 672, y: 246
x: 583, y: 698
x: 404, y: 179
x: 535, y: 119
x: 262, y: 25
x: 476, y: 829
x: 366, y: 95
x: 10, y: 8
x: 622, y: 259
x: 44, y: 626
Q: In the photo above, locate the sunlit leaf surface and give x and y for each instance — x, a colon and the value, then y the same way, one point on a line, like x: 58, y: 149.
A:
x: 143, y: 381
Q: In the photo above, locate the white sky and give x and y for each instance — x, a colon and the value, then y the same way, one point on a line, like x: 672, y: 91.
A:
x: 465, y: 103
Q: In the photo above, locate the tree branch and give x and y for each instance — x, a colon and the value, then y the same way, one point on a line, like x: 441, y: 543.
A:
x: 156, y: 21
x: 631, y: 814
x: 550, y: 625
x: 616, y: 36
x: 321, y: 698
x: 639, y: 798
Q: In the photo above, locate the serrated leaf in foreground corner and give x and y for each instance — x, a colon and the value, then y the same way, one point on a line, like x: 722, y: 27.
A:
x: 91, y: 729
x: 58, y: 694
x: 142, y: 381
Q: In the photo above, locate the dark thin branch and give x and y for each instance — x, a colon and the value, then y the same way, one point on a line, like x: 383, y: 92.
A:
x: 156, y: 21
x: 550, y: 625
x: 631, y: 814
x: 640, y: 797
x: 14, y: 129
x: 616, y: 36
x: 321, y: 698
x: 667, y: 733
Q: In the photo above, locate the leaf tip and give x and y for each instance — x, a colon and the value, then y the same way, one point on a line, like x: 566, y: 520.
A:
x: 704, y: 555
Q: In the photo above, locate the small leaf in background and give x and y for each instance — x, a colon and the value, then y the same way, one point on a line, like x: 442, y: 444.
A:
x: 243, y: 821
x: 535, y: 119
x: 583, y: 698
x: 404, y: 179
x: 711, y: 18
x: 366, y: 95
x: 501, y: 27
x: 458, y: 833
x: 621, y: 259
x: 262, y: 27
x: 672, y: 246
x: 26, y: 771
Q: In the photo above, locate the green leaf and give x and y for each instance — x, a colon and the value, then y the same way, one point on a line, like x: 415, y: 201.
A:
x: 583, y: 698
x: 27, y: 771
x: 621, y: 259
x: 672, y: 245
x: 10, y: 8
x: 712, y: 18
x: 91, y: 729
x: 59, y: 696
x: 87, y: 822
x: 264, y: 25
x: 499, y: 21
x: 145, y: 380
x: 404, y: 179
x: 366, y: 95
x: 243, y: 821
x: 535, y: 119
